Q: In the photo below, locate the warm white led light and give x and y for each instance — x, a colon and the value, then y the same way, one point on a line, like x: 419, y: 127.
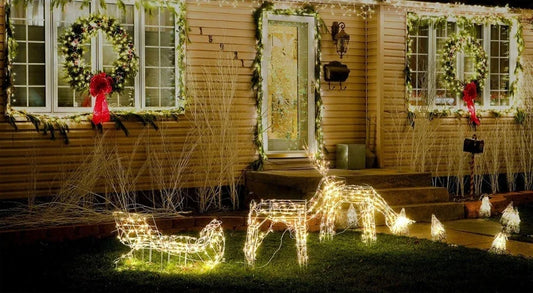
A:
x: 134, y: 230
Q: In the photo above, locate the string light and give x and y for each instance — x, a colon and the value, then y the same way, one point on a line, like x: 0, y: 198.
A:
x: 292, y: 213
x: 499, y: 245
x: 135, y: 231
x: 484, y: 210
x: 437, y: 229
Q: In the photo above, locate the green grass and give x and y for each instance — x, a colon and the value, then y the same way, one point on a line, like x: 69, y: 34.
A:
x: 526, y: 224
x: 393, y: 264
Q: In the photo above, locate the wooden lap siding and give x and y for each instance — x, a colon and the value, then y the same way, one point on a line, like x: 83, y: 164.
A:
x: 32, y: 164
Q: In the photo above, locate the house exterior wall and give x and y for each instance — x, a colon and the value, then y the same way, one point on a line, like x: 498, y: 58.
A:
x: 434, y: 146
x: 32, y: 164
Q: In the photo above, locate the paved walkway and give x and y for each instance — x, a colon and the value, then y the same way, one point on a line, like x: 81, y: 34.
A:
x: 473, y: 233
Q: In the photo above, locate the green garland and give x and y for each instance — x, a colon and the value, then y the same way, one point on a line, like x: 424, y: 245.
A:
x: 78, y: 73
x: 415, y: 21
x: 50, y: 124
x: 258, y: 15
x: 462, y: 42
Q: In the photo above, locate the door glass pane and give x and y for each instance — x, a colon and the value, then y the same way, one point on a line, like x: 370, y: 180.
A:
x: 287, y: 86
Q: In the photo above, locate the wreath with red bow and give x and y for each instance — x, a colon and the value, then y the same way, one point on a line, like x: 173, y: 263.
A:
x: 79, y: 74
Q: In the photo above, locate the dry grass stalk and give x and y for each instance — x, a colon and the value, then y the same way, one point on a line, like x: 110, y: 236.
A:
x: 167, y: 169
x: 212, y: 108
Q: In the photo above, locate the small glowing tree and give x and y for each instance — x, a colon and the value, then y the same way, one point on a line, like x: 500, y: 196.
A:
x: 437, y: 229
x: 484, y: 210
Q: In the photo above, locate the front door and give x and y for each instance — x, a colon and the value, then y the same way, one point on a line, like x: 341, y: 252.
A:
x: 288, y: 67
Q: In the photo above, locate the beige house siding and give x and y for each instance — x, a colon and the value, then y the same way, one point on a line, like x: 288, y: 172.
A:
x: 32, y: 164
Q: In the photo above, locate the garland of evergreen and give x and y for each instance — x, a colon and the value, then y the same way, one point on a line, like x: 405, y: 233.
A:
x: 51, y: 124
x: 415, y: 21
x: 258, y: 15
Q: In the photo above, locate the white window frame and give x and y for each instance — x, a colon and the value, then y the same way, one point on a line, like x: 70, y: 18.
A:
x: 433, y: 59
x: 311, y: 139
x: 53, y: 69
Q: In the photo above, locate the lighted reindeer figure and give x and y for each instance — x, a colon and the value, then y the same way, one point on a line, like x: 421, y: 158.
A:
x: 331, y: 193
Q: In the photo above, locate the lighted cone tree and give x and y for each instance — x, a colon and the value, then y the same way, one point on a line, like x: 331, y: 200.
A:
x: 499, y: 244
x: 510, y: 219
x: 484, y: 210
x: 437, y: 229
x: 351, y: 216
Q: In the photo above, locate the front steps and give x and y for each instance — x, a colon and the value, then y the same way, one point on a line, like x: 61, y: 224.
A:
x: 409, y: 190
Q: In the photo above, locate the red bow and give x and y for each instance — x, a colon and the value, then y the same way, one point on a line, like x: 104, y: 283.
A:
x: 100, y: 86
x: 469, y: 95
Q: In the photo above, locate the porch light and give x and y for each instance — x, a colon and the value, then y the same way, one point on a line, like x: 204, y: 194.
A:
x: 340, y: 37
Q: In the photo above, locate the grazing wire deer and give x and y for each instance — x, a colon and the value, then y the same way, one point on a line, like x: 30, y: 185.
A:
x: 331, y: 194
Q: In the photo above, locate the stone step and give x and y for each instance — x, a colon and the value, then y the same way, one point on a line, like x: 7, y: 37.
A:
x: 414, y: 195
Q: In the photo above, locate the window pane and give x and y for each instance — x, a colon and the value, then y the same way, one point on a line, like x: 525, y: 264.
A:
x: 37, y: 96
x: 152, y: 77
x: 36, y: 74
x: 20, y: 97
x: 36, y: 33
x: 159, y: 56
x: 36, y: 53
x: 66, y: 96
x: 29, y: 32
x: 127, y: 97
x: 499, y: 67
x: 20, y: 74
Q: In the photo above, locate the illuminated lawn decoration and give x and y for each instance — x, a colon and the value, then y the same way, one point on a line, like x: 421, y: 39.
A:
x: 499, y: 245
x: 292, y: 213
x: 437, y: 229
x: 510, y: 219
x: 331, y: 194
x: 484, y: 210
x: 351, y: 216
x: 135, y: 231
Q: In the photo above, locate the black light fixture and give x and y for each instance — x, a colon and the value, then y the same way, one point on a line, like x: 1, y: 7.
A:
x: 340, y: 37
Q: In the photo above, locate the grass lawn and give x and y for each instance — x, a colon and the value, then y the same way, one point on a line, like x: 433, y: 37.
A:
x: 526, y: 224
x: 393, y: 264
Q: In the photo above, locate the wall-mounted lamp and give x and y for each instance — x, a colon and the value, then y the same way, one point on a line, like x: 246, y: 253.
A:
x: 340, y: 37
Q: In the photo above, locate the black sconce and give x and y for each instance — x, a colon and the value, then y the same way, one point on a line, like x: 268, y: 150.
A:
x: 340, y: 37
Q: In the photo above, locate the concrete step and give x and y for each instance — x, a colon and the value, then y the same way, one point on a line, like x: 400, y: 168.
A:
x: 294, y: 184
x: 414, y: 195
x: 287, y: 164
x: 444, y: 211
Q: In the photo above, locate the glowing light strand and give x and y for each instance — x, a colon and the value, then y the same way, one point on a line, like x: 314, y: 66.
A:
x: 135, y: 231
